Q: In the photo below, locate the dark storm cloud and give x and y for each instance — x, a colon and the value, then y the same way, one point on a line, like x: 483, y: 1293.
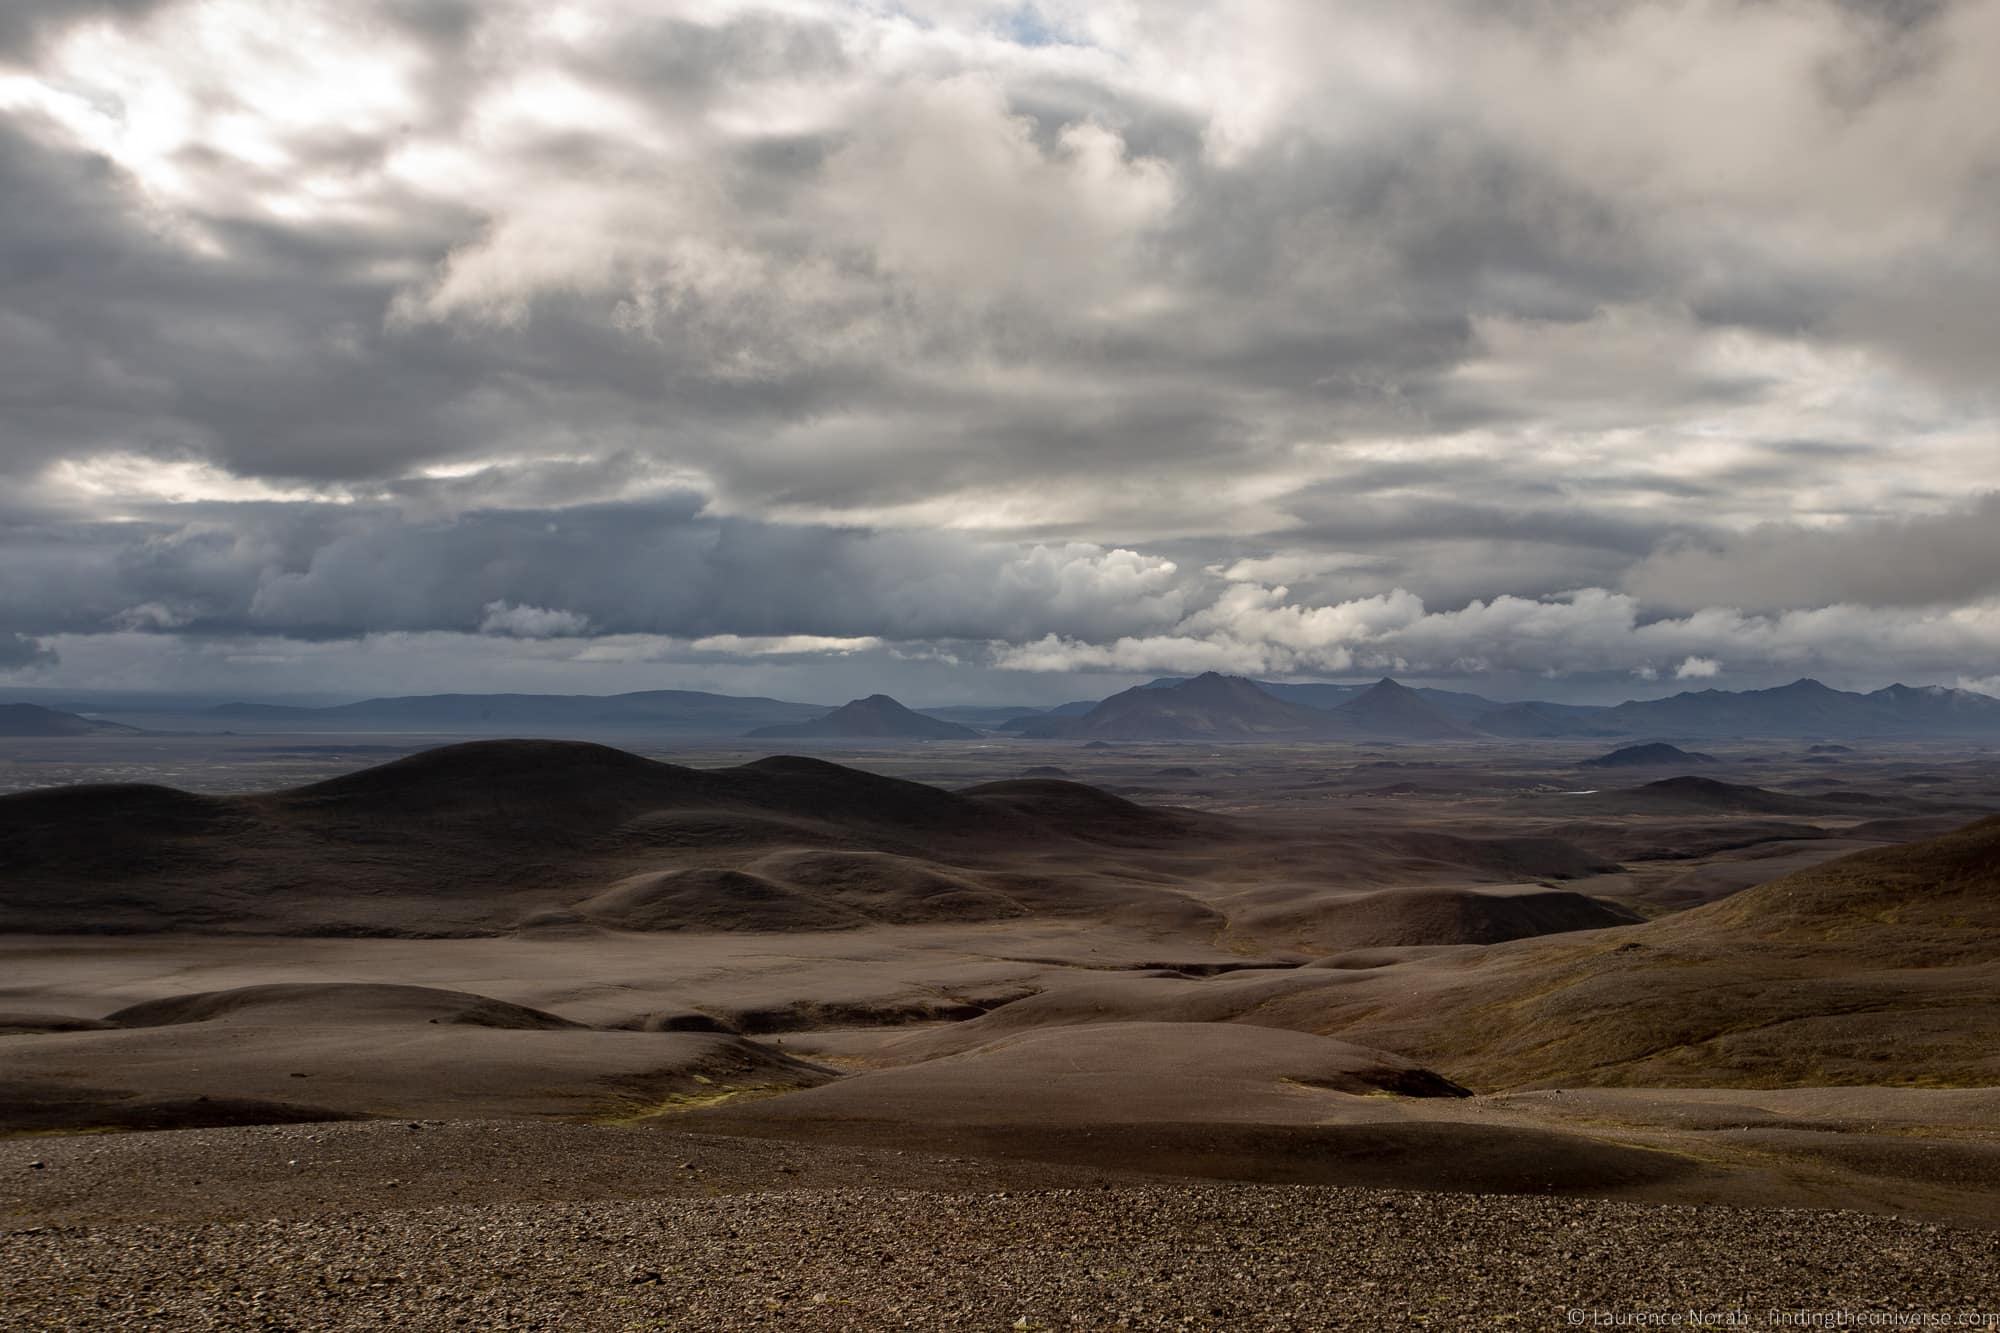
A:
x: 24, y: 24
x: 1935, y: 560
x: 663, y: 568
x: 18, y: 651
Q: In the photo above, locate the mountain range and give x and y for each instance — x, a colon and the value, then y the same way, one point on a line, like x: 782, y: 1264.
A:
x: 689, y: 711
x: 1210, y: 707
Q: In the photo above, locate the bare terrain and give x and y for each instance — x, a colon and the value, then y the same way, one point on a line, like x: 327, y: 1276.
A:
x: 1203, y: 1035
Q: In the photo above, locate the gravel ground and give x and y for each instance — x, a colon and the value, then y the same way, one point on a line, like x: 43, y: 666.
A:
x: 514, y: 1225
x: 1156, y: 1257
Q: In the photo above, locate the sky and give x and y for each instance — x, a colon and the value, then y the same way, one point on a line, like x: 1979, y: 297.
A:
x: 998, y: 352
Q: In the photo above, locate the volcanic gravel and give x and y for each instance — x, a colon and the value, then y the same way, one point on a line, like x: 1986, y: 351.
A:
x: 1154, y: 1257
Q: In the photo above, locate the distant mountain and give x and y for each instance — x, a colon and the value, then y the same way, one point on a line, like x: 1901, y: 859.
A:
x: 1537, y: 719
x: 1388, y: 709
x: 1326, y: 695
x: 876, y: 717
x: 1025, y: 717
x: 982, y: 715
x: 1313, y: 694
x: 1210, y: 707
x: 34, y: 720
x: 683, y: 711
x: 1806, y: 708
x: 1657, y: 754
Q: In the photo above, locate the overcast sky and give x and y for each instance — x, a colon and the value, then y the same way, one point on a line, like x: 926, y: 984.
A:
x: 998, y: 351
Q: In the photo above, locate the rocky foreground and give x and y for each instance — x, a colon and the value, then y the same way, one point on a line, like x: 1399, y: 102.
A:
x: 349, y: 1232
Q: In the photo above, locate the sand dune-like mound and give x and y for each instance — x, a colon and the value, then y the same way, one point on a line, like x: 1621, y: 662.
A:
x: 884, y: 887
x: 1506, y: 857
x: 724, y: 828
x: 196, y: 1073
x: 707, y: 898
x: 1404, y: 918
x: 20, y: 1022
x: 337, y: 1003
x: 1119, y: 1073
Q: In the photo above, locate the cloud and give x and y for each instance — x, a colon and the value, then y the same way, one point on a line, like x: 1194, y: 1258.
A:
x: 662, y: 567
x: 783, y: 645
x: 532, y: 622
x: 1920, y: 560
x: 18, y: 652
x: 1585, y: 632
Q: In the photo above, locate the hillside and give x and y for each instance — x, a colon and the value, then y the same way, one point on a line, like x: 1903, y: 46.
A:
x: 1873, y: 968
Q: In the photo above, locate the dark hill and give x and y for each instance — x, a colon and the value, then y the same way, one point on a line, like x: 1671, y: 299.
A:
x: 1654, y: 755
x: 876, y: 717
x: 34, y: 720
x: 1705, y: 795
x: 476, y: 838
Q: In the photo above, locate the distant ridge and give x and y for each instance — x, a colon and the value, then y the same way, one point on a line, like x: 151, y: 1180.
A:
x: 1807, y: 708
x: 1162, y: 710
x: 1210, y: 707
x: 34, y: 720
x: 688, y: 711
x: 875, y: 717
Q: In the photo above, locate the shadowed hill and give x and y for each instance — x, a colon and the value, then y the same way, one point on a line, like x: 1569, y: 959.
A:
x: 1658, y: 754
x: 479, y: 837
